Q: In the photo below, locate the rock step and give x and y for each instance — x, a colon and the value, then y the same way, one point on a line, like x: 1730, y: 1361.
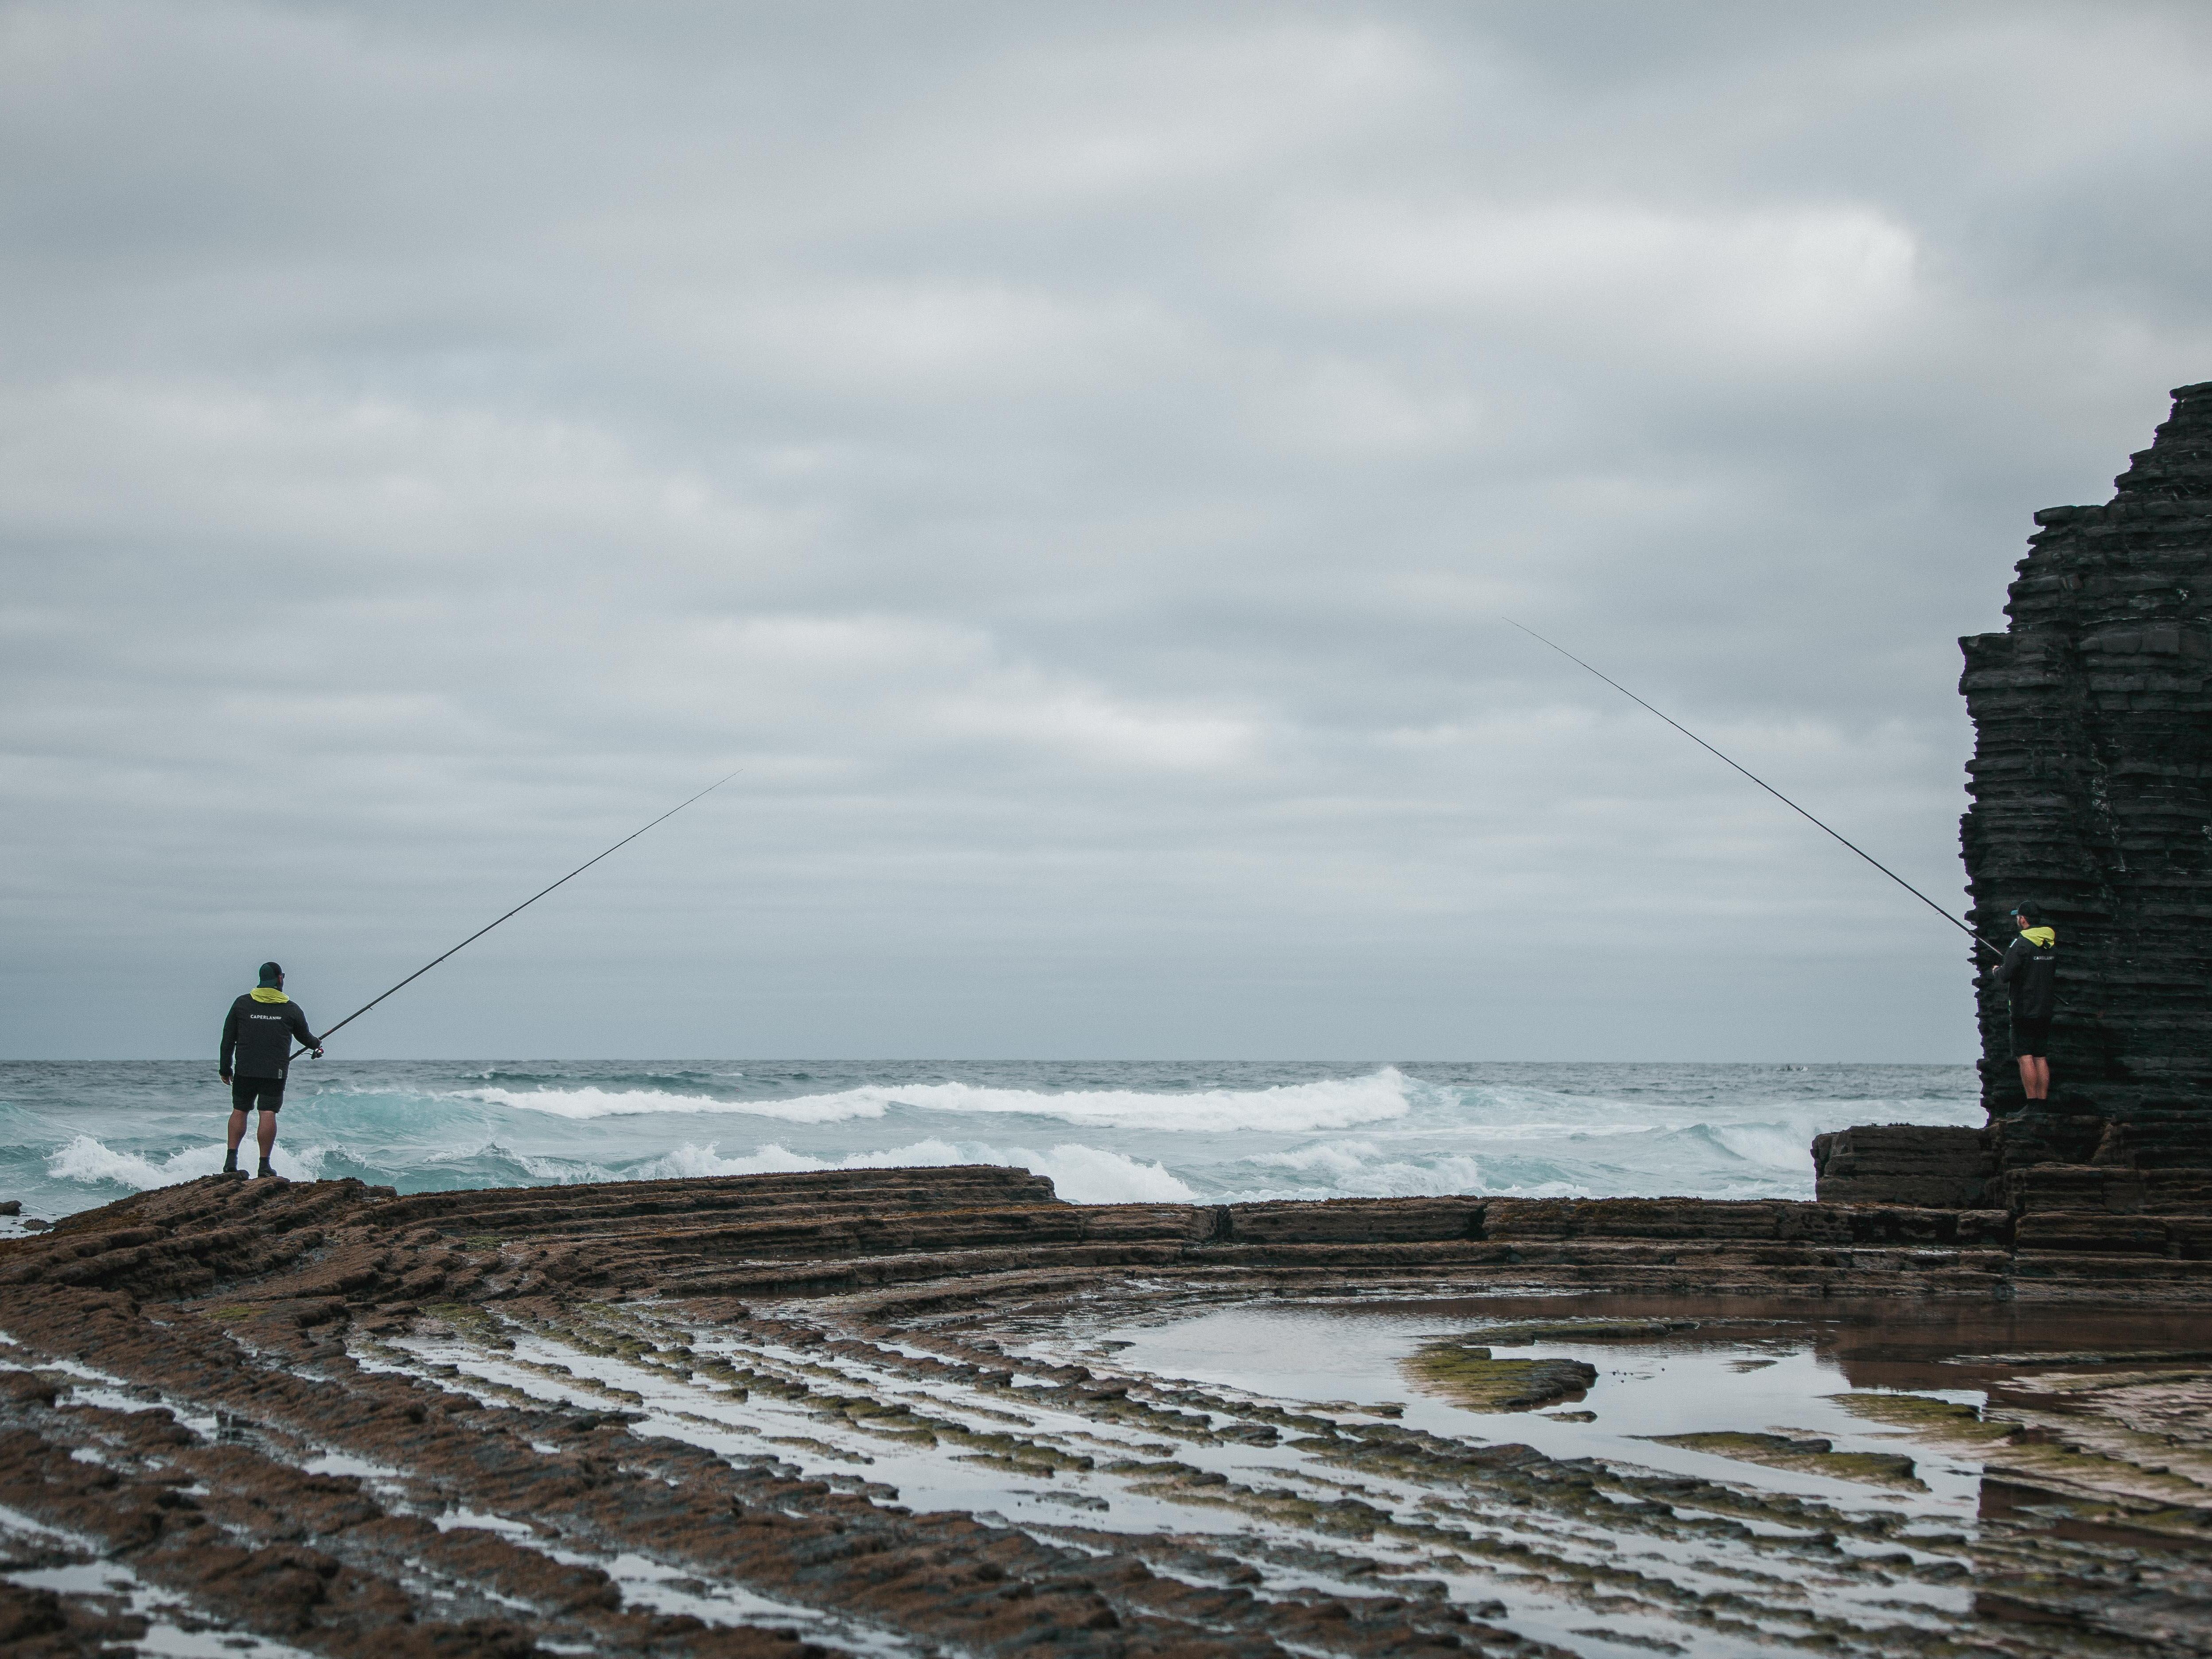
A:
x: 2101, y: 1231
x: 2081, y: 1187
x: 647, y: 1200
x: 1918, y: 1165
x: 332, y: 1245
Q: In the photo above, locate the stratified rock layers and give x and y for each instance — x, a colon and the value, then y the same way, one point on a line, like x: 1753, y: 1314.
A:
x: 683, y: 1419
x: 2091, y: 789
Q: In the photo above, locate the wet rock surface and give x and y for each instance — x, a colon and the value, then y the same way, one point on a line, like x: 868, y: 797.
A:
x: 885, y: 1410
x: 1810, y: 1454
x: 1476, y: 1378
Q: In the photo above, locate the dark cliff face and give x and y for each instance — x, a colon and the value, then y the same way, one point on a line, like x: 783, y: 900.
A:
x: 2091, y: 789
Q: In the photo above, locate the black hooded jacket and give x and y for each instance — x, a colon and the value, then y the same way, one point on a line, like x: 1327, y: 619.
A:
x: 2029, y: 973
x: 259, y: 1036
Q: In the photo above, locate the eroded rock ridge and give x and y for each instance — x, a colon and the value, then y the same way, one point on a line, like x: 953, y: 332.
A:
x: 750, y: 1416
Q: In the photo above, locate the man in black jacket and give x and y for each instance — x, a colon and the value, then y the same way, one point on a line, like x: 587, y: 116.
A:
x: 2029, y: 973
x: 257, y: 1035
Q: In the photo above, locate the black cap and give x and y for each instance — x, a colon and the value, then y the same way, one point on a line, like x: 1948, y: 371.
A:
x: 2029, y: 910
x: 270, y: 973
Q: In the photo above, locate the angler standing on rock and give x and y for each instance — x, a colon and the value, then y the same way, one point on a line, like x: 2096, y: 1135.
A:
x: 257, y: 1035
x: 2029, y: 973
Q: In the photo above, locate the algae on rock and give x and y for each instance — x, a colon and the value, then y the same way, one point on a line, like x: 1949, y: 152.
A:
x: 1802, y: 1455
x: 1470, y: 1377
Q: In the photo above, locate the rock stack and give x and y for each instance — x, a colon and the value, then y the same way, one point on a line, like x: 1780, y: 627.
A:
x: 2091, y: 792
x: 2092, y: 795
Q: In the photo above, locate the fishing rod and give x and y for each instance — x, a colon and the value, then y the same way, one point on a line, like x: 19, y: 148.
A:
x: 518, y: 910
x: 1767, y: 786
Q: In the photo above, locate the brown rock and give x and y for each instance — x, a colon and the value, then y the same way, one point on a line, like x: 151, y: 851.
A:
x: 1919, y: 1164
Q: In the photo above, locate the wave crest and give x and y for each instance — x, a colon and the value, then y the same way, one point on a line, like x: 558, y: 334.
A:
x: 1290, y: 1108
x: 1079, y: 1174
x: 92, y: 1161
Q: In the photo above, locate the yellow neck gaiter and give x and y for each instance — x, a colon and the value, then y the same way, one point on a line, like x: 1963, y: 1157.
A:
x: 2042, y: 937
x: 267, y: 994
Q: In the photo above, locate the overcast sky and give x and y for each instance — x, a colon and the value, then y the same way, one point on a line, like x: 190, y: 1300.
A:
x: 1075, y: 459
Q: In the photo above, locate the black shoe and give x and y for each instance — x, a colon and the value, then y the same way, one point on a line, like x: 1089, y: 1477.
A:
x: 265, y: 1172
x: 230, y: 1162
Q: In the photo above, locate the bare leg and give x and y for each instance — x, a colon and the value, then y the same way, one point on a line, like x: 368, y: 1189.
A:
x: 237, y: 1129
x: 2040, y: 1088
x: 267, y: 1134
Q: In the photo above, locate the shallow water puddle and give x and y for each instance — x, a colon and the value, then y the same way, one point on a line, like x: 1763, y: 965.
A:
x: 84, y: 1574
x: 89, y: 1386
x: 974, y: 1452
x: 1804, y: 1466
x: 988, y: 1453
x: 1730, y: 1483
x: 1704, y: 1381
x: 544, y: 1372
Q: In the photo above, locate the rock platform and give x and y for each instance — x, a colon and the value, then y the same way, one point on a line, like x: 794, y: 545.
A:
x: 340, y: 1251
x: 610, y: 1420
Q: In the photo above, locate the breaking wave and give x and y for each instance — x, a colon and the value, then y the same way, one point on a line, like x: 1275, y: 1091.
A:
x: 1328, y: 1103
x: 75, y: 1135
x: 92, y: 1161
x: 1079, y: 1174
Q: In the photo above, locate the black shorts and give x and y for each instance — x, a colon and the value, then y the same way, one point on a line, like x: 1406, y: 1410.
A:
x: 2030, y: 1035
x: 248, y: 1092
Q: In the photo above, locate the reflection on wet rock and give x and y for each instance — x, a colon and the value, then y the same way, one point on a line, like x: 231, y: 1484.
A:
x: 947, y: 1414
x: 1810, y: 1453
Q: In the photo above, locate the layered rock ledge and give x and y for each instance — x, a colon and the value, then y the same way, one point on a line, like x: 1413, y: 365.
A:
x: 340, y: 1251
x: 515, y: 1421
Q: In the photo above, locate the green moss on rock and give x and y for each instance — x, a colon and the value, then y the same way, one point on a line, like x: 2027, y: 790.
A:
x: 1803, y: 1455
x: 1471, y: 1376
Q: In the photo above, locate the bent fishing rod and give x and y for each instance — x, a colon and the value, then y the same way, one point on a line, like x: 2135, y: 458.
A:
x: 517, y: 911
x: 1765, y: 785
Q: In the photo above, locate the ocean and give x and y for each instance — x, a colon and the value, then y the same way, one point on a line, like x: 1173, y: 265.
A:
x: 78, y: 1133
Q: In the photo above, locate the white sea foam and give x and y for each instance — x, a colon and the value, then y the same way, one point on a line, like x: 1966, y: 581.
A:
x: 92, y: 1161
x: 1338, y: 1157
x: 1292, y: 1108
x: 1725, y: 1135
x: 1774, y: 1145
x: 1786, y: 1145
x: 690, y: 1162
x: 1352, y: 1169
x: 1088, y: 1174
x: 89, y: 1160
x: 583, y: 1104
x: 567, y: 1172
x: 1079, y: 1174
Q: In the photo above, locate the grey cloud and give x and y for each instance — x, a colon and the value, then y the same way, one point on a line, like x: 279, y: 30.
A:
x: 1074, y: 460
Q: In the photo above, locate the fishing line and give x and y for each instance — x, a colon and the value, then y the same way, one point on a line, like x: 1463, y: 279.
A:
x: 1767, y: 786
x: 520, y: 909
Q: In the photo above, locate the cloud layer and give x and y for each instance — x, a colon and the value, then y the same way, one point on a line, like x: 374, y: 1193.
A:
x: 1075, y: 461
